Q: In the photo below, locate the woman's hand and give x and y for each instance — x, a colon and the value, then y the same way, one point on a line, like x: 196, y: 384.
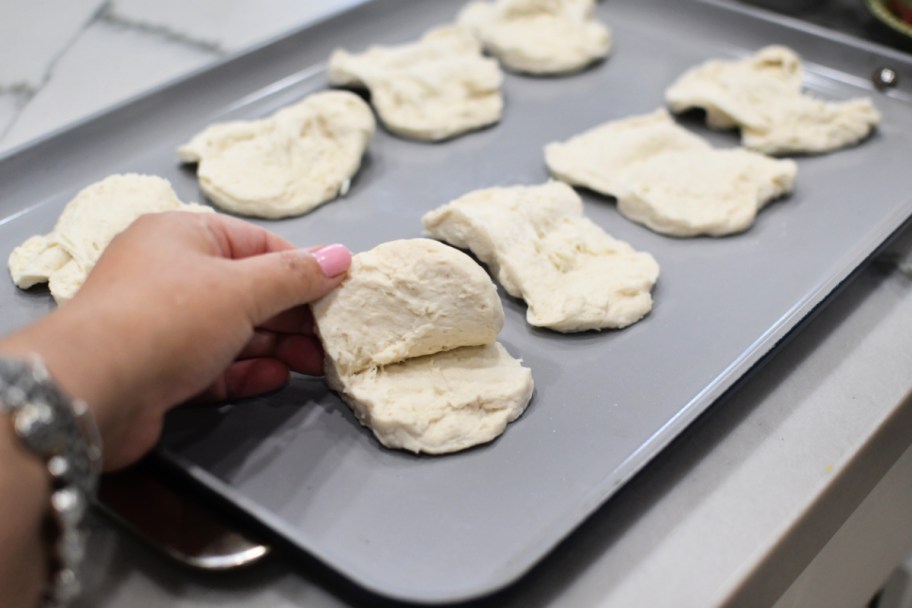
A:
x: 183, y: 305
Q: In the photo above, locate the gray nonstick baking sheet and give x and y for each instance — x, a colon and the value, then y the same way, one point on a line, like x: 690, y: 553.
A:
x: 444, y: 529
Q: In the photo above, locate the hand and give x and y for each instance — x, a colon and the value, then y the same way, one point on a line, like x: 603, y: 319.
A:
x: 183, y: 305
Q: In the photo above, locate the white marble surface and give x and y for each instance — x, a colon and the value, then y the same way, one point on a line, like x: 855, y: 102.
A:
x: 64, y: 60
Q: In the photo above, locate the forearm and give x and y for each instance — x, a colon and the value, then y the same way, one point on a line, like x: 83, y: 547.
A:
x: 88, y: 358
x: 73, y: 353
x: 25, y: 492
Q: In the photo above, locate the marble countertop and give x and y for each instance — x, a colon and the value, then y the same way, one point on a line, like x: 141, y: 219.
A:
x: 96, y: 53
x: 733, y: 513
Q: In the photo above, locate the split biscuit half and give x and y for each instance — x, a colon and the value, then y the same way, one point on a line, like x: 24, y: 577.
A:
x: 64, y: 257
x: 287, y: 164
x: 537, y: 243
x: 670, y: 180
x: 541, y: 37
x: 434, y: 89
x: 410, y: 342
x: 762, y: 95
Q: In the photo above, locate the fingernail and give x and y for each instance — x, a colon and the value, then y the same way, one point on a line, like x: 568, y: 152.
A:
x: 333, y: 259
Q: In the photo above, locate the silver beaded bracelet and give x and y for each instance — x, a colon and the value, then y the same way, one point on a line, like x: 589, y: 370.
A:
x: 62, y: 432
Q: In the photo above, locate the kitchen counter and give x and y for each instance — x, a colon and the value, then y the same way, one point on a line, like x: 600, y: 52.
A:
x: 792, y: 488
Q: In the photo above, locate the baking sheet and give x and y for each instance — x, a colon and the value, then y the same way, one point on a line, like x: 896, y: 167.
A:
x: 452, y: 528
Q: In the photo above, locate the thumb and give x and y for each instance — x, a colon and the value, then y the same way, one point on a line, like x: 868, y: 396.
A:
x: 281, y: 280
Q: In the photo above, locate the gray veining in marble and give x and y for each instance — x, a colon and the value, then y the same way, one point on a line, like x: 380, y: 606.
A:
x: 63, y: 60
x: 225, y: 26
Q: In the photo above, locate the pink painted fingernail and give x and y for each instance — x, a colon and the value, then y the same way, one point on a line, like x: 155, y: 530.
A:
x: 333, y: 259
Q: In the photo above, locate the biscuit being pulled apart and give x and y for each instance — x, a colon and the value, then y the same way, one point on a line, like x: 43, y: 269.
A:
x: 410, y: 341
x: 542, y: 37
x: 64, y: 257
x: 431, y: 90
x: 761, y: 94
x: 287, y: 164
x: 536, y: 241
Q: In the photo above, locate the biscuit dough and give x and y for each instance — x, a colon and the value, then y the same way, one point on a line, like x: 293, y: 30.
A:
x: 762, y: 95
x: 670, y: 180
x: 410, y: 343
x: 539, y: 36
x: 805, y: 125
x: 434, y: 89
x: 704, y: 192
x: 536, y: 241
x: 443, y: 402
x: 405, y: 299
x: 86, y: 226
x: 285, y: 165
x: 601, y: 158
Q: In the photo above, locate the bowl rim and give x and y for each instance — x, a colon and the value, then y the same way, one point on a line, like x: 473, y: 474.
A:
x: 881, y: 10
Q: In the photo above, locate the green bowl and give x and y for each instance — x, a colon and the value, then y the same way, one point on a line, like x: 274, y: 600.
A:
x: 881, y: 10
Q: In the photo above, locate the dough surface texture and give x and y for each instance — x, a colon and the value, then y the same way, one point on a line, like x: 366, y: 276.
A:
x: 536, y: 241
x: 443, y: 402
x: 405, y: 299
x: 84, y: 229
x: 602, y: 158
x: 287, y: 164
x: 704, y: 192
x: 410, y: 342
x: 670, y: 180
x: 539, y: 36
x: 762, y: 95
x: 434, y: 89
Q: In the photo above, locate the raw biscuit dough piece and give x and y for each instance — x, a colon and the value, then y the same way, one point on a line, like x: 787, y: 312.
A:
x: 762, y: 95
x: 434, y: 89
x: 410, y: 346
x: 704, y: 192
x: 536, y: 241
x: 601, y: 158
x: 405, y: 299
x: 539, y: 36
x: 285, y: 165
x: 733, y: 93
x: 86, y: 226
x: 444, y: 402
x: 669, y: 179
x: 806, y: 125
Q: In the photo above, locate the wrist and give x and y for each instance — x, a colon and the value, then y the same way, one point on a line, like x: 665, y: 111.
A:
x: 83, y: 343
x: 59, y: 436
x: 25, y: 557
x: 73, y: 355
